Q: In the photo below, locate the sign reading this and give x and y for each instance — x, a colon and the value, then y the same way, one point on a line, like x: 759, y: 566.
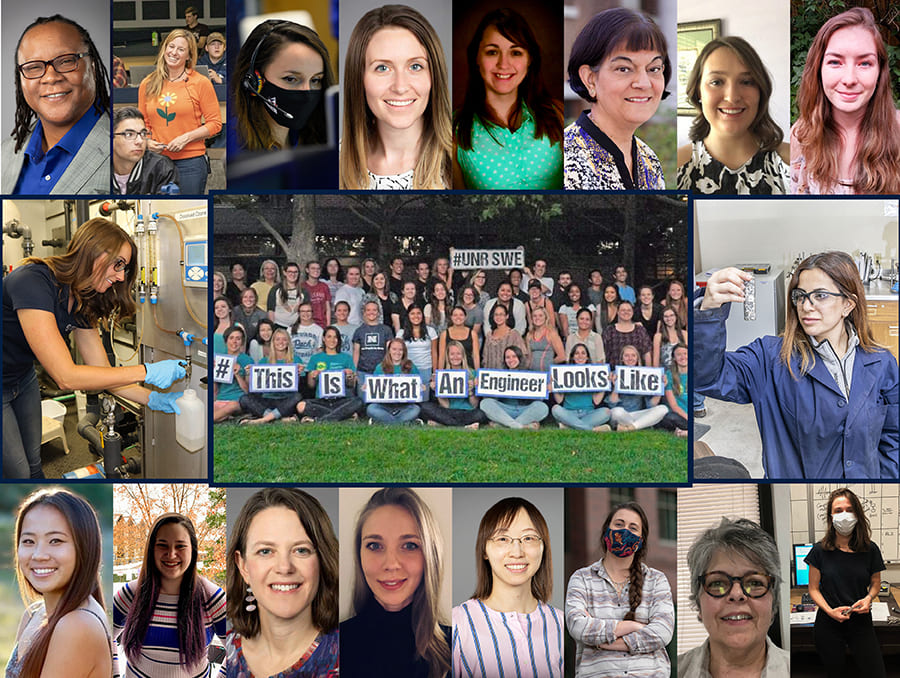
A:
x: 273, y: 378
x: 640, y: 380
x: 580, y: 378
x: 223, y: 372
x: 451, y: 384
x: 512, y: 384
x: 463, y: 260
x: 393, y: 388
x: 332, y: 384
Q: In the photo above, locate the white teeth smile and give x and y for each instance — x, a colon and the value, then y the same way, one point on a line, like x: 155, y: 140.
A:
x: 638, y: 100
x: 503, y: 76
x: 43, y: 570
x: 737, y: 617
x: 57, y: 95
x: 171, y: 564
x: 285, y: 587
x: 405, y: 102
x: 517, y: 567
x: 731, y: 111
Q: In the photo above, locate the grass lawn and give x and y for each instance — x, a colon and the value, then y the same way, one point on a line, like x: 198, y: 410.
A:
x: 350, y: 452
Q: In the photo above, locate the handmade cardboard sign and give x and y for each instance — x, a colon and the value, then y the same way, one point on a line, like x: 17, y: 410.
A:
x: 451, y: 384
x: 462, y: 260
x: 511, y: 384
x: 640, y: 380
x: 332, y: 384
x: 393, y: 388
x: 273, y: 378
x: 223, y: 372
x: 580, y: 378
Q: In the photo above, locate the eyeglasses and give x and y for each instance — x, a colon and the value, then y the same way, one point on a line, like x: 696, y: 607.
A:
x: 119, y: 265
x: 718, y: 584
x: 65, y: 63
x: 817, y: 298
x: 131, y: 135
x: 528, y: 541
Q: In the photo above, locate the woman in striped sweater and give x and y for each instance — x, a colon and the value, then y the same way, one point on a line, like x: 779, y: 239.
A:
x: 166, y: 620
x: 509, y: 609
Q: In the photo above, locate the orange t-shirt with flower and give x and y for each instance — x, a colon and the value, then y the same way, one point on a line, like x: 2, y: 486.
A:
x: 182, y: 106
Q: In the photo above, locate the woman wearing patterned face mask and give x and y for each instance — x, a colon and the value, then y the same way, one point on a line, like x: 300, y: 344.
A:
x: 844, y: 578
x: 619, y: 610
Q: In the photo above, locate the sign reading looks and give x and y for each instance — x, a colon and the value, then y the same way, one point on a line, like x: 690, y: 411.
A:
x: 393, y: 388
x: 451, y: 384
x: 223, y: 372
x: 511, y: 384
x: 580, y: 378
x: 640, y: 380
x: 273, y: 378
x: 463, y: 260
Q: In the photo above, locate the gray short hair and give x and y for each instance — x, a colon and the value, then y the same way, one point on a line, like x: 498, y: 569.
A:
x: 742, y: 537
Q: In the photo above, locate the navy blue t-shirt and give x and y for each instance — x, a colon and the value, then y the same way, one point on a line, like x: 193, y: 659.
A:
x: 372, y: 340
x: 31, y: 286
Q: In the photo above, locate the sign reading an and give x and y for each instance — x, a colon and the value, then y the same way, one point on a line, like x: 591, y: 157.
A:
x: 451, y: 384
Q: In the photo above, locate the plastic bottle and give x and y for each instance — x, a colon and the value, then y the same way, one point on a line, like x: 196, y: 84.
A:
x: 154, y: 38
x: 190, y: 425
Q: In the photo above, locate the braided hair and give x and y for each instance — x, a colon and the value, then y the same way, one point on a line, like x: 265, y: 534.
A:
x: 636, y: 572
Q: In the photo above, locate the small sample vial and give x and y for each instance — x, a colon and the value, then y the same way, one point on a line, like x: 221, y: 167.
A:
x: 750, y: 299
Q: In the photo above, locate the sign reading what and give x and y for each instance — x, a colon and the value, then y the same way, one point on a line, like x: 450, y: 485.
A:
x: 223, y: 370
x: 332, y: 384
x: 393, y: 388
x: 580, y: 378
x: 462, y: 260
x: 512, y: 384
x: 640, y: 380
x: 451, y: 384
x: 273, y: 378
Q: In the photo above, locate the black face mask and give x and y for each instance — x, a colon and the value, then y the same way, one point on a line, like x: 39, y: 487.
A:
x: 290, y: 108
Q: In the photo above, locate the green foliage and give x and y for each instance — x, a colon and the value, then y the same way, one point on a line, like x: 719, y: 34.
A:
x: 353, y: 452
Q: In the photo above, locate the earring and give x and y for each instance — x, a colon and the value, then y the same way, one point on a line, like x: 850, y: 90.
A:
x: 251, y: 600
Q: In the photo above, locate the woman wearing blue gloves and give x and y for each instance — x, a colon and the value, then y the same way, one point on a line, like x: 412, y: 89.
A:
x: 46, y: 300
x: 825, y: 393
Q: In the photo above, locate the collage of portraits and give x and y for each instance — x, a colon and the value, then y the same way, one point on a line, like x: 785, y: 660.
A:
x: 545, y: 339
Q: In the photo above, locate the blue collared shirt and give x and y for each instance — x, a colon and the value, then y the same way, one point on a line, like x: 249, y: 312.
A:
x: 41, y: 171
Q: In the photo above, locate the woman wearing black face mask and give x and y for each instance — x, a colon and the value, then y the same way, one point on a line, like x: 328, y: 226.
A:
x: 844, y: 579
x: 282, y: 71
x: 619, y: 610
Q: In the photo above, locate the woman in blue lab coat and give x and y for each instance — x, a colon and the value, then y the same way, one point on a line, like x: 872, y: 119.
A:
x: 825, y: 393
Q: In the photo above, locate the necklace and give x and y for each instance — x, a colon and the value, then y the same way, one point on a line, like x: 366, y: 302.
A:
x: 180, y: 75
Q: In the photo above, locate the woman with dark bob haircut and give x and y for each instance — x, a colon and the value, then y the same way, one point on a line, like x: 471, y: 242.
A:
x: 515, y: 578
x: 844, y: 579
x: 398, y: 553
x: 619, y: 610
x: 169, y: 587
x: 620, y: 65
x: 386, y: 143
x: 825, y: 393
x: 735, y: 552
x: 847, y: 136
x: 509, y: 128
x: 64, y: 630
x: 737, y: 148
x: 277, y: 88
x: 282, y: 585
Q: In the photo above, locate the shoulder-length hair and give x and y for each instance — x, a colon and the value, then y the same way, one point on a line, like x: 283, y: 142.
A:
x: 877, y: 163
x: 431, y: 644
x: 160, y: 75
x: 236, y: 328
x: 317, y: 524
x: 607, y: 30
x: 337, y: 332
x: 191, y: 627
x: 432, y: 169
x: 499, y: 517
x: 289, y: 354
x: 640, y: 358
x: 636, y: 572
x: 763, y: 128
x: 518, y: 353
x: 840, y: 268
x: 85, y: 581
x: 253, y: 120
x: 98, y: 74
x: 533, y: 92
x: 861, y: 539
x: 675, y: 370
x: 387, y: 364
x: 262, y: 276
x: 96, y: 239
x: 411, y: 331
x: 571, y: 360
x: 457, y: 344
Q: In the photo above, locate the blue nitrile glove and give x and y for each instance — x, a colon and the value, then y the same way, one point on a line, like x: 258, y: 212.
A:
x: 164, y: 373
x: 164, y: 402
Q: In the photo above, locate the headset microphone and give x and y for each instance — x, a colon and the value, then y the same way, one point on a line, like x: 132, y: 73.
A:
x: 253, y: 81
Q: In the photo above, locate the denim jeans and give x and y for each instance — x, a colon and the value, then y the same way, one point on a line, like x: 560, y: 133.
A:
x: 192, y: 173
x: 392, y: 414
x: 514, y: 415
x: 22, y: 429
x: 582, y: 419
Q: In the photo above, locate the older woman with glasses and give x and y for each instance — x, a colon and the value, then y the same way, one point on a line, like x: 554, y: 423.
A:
x: 737, y: 618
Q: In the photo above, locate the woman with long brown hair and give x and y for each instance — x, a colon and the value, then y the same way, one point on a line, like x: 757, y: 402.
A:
x: 628, y: 601
x: 825, y: 392
x: 46, y: 300
x: 58, y: 558
x: 844, y: 580
x: 847, y: 136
